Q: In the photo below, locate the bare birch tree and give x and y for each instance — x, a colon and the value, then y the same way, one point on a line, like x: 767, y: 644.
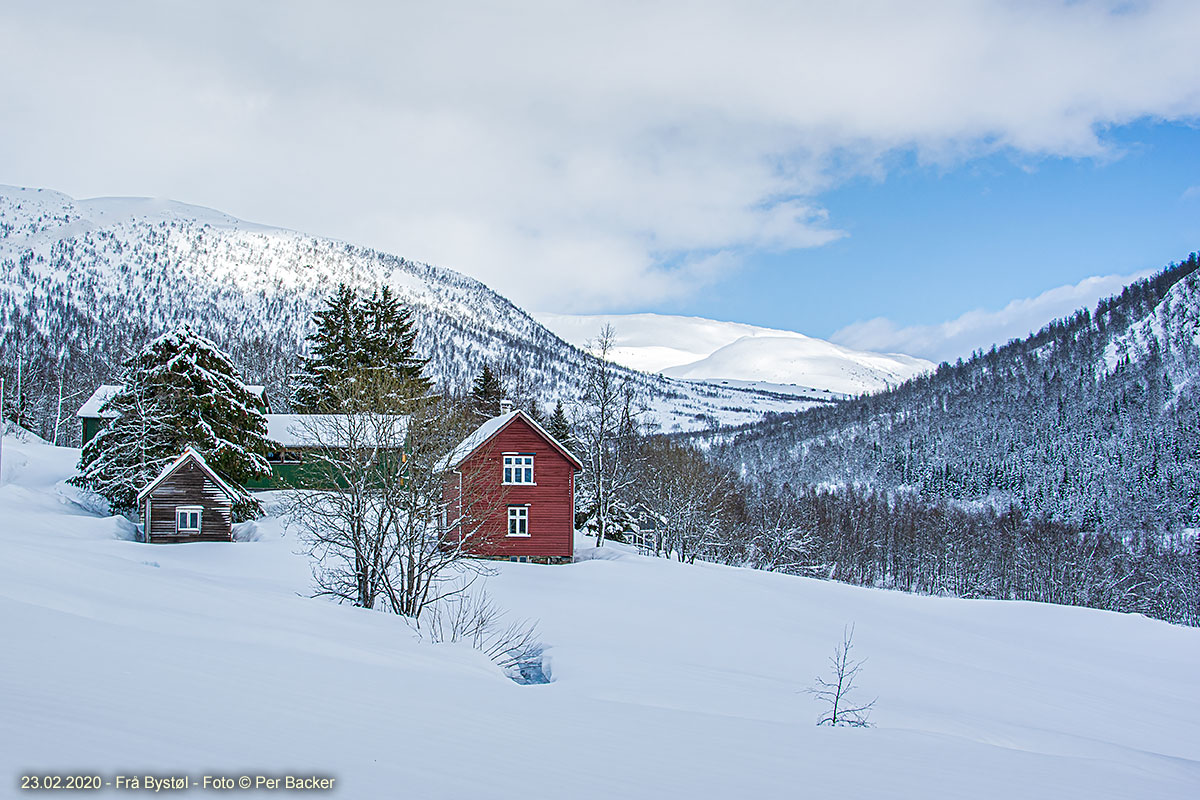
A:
x: 386, y: 537
x: 841, y: 709
x: 687, y: 494
x: 607, y: 426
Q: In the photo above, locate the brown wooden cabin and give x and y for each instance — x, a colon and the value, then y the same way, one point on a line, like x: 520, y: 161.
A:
x: 526, y: 481
x: 187, y: 502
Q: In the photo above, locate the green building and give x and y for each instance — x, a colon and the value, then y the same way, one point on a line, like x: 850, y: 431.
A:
x: 296, y: 439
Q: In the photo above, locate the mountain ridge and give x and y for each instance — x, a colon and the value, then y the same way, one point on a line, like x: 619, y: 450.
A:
x: 86, y: 281
x: 1093, y: 421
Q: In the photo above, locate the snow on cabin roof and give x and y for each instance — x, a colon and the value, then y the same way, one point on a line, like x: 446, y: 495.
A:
x: 191, y: 453
x: 91, y: 408
x: 313, y: 430
x: 489, y: 429
x: 104, y: 392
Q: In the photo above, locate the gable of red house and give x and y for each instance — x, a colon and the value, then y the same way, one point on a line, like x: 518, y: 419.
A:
x: 512, y: 485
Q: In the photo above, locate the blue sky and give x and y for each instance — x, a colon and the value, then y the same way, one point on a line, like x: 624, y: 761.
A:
x: 923, y: 177
x: 925, y: 244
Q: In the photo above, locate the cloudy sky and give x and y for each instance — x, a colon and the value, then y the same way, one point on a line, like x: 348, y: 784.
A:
x: 925, y: 177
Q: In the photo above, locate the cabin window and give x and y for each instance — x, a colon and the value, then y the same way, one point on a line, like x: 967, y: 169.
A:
x: 187, y: 519
x: 292, y: 456
x: 518, y: 520
x: 518, y: 468
x: 274, y: 457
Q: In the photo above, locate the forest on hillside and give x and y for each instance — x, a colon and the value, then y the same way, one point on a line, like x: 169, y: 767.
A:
x: 1094, y: 421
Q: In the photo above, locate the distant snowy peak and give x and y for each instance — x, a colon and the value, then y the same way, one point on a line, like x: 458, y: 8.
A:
x: 804, y: 361
x: 695, y: 348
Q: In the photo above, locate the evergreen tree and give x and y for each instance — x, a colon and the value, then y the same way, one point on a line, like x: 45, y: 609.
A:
x: 389, y: 348
x: 560, y: 427
x: 179, y: 391
x: 486, y: 395
x: 359, y: 348
x: 335, y: 353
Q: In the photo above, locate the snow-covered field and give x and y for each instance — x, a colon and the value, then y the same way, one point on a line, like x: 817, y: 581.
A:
x: 668, y: 680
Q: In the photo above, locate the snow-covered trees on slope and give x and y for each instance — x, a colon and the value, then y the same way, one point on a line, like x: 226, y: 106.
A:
x: 687, y: 496
x: 179, y: 391
x: 1093, y: 421
x: 76, y: 298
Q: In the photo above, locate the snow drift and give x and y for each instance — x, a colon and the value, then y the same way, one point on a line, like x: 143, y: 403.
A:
x: 669, y: 680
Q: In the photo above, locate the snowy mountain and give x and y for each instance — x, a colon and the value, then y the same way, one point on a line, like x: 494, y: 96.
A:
x: 703, y: 349
x: 668, y: 679
x: 86, y: 281
x: 1094, y: 421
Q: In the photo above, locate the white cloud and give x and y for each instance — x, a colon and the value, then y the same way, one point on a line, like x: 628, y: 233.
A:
x: 980, y: 329
x: 578, y: 156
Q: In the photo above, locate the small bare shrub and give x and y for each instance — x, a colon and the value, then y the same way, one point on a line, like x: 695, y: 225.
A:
x: 841, y: 709
x: 470, y: 616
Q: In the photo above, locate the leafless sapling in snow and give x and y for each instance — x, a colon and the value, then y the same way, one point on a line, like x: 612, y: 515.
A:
x: 834, y: 694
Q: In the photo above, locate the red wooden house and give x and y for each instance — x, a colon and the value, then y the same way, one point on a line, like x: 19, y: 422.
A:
x: 511, y: 492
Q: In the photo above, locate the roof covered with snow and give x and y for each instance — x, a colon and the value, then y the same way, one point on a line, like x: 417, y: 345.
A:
x: 104, y: 393
x: 314, y: 430
x: 492, y: 427
x: 91, y: 408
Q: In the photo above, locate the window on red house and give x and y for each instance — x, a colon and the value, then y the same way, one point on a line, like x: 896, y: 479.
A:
x: 518, y: 520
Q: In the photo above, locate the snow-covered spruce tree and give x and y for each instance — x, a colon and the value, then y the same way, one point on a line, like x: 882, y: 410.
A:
x: 179, y: 391
x: 390, y: 350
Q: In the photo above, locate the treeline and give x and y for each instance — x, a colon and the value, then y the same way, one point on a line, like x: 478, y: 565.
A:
x: 929, y: 545
x: 689, y: 506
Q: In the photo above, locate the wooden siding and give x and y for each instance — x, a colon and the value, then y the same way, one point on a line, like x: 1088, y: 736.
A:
x: 551, y: 500
x: 188, y: 486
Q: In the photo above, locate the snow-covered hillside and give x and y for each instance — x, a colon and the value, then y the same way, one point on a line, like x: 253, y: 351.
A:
x: 83, y: 281
x: 704, y: 349
x: 669, y: 680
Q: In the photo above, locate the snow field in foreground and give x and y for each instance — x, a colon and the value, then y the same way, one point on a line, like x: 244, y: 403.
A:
x: 669, y: 680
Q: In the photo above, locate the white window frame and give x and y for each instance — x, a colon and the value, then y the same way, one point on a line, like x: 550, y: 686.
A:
x: 518, y: 518
x: 518, y: 469
x: 197, y: 510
